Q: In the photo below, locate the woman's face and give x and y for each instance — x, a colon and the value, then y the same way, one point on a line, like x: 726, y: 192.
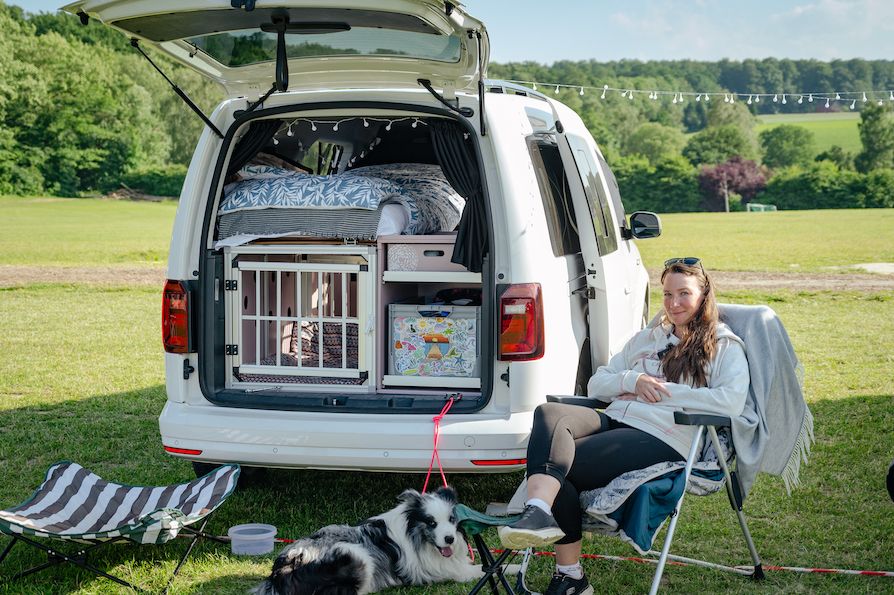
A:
x: 682, y: 297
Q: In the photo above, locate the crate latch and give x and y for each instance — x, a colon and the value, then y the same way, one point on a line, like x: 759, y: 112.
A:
x: 232, y: 350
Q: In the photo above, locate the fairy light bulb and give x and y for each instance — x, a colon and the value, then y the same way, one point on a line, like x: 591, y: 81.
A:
x: 725, y: 98
x: 534, y: 85
x: 313, y: 125
x: 853, y: 104
x: 698, y: 97
x: 335, y: 128
x: 624, y: 93
x: 388, y: 126
x: 732, y: 98
x: 750, y: 99
x: 675, y: 98
x: 864, y: 97
x: 757, y: 99
x: 681, y: 98
x: 604, y: 89
x: 557, y: 90
x: 776, y: 98
x: 630, y: 96
x: 827, y: 103
x: 810, y: 98
x: 581, y: 93
x: 415, y: 122
x: 800, y: 100
x: 289, y: 131
x: 275, y: 141
x: 880, y: 102
x: 891, y: 96
x: 365, y: 123
x: 378, y: 141
x: 362, y: 154
x: 707, y: 97
x: 837, y: 97
x: 783, y: 99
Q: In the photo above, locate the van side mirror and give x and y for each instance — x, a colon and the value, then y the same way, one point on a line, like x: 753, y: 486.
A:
x: 645, y: 225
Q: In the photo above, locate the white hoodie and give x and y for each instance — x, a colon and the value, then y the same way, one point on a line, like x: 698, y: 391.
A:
x: 725, y: 393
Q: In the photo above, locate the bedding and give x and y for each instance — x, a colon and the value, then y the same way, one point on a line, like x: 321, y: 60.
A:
x: 361, y: 204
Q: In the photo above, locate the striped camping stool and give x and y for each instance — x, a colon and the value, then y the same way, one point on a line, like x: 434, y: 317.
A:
x: 74, y: 504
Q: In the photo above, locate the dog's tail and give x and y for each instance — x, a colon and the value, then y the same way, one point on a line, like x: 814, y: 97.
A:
x: 337, y: 573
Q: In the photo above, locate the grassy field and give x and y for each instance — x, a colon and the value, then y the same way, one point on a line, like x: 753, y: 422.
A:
x: 83, y: 380
x: 838, y: 128
x: 781, y: 241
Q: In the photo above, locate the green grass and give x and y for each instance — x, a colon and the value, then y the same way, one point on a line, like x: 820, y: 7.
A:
x: 838, y: 128
x: 781, y: 241
x: 83, y: 379
x: 88, y: 388
x: 85, y: 232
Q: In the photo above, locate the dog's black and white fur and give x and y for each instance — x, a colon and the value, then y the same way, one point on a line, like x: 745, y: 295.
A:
x: 415, y: 543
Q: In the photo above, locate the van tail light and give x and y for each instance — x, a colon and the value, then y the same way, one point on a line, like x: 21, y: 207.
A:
x: 521, y: 323
x: 175, y: 317
x: 498, y: 462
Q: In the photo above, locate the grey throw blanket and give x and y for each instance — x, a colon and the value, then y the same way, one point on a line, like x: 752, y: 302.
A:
x: 775, y: 430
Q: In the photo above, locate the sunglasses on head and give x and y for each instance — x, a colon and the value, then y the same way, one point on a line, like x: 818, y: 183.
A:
x: 690, y: 261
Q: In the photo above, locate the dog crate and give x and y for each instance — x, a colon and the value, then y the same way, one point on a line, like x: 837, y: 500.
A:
x: 300, y: 315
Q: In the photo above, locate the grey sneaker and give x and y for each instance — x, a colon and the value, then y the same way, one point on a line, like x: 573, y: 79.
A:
x: 562, y: 584
x: 533, y: 529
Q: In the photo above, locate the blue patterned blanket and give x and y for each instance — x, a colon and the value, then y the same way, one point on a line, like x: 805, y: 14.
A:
x: 271, y: 201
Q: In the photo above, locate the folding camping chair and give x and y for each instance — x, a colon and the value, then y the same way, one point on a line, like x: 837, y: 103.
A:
x: 73, y: 504
x: 763, y: 335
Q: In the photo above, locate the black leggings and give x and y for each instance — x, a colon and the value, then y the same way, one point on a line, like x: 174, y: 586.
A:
x: 565, y: 444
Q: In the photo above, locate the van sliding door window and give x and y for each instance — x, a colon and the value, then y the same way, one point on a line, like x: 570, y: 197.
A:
x: 600, y: 212
x: 555, y: 193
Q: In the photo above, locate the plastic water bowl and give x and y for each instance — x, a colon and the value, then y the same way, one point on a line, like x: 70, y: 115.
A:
x: 252, y: 539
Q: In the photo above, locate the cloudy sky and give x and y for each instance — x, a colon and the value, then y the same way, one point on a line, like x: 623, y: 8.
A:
x: 546, y: 31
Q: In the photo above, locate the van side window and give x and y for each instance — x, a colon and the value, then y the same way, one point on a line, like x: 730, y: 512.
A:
x: 606, y: 238
x: 613, y: 191
x: 555, y: 193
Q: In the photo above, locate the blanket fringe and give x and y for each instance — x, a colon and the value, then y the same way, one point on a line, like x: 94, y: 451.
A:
x: 791, y: 472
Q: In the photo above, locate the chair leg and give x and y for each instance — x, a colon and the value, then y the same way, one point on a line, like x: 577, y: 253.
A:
x: 736, y: 503
x: 520, y: 587
x: 491, y: 567
x: 195, y: 537
x: 665, y: 550
x: 78, y: 559
x: 6, y: 551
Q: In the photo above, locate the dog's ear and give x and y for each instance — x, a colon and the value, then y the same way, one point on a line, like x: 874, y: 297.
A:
x: 446, y: 493
x: 409, y: 496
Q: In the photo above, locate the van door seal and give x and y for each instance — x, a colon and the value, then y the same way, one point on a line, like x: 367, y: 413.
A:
x: 480, y: 83
x: 135, y: 43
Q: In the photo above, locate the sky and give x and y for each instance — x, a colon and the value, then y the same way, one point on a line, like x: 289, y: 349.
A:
x: 548, y: 31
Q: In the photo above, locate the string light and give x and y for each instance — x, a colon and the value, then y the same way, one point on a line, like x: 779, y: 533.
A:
x: 678, y: 97
x: 314, y: 123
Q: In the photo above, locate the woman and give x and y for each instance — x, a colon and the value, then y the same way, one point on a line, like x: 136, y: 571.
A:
x: 689, y: 361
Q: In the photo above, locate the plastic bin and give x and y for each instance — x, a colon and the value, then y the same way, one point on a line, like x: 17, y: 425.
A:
x: 252, y: 539
x: 434, y: 340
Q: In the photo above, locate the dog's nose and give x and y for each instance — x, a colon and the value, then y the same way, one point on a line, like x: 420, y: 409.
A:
x: 449, y: 539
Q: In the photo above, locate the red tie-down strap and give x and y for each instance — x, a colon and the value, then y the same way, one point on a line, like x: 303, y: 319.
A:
x: 437, y: 434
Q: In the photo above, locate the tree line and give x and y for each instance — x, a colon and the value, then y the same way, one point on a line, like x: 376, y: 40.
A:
x: 81, y: 112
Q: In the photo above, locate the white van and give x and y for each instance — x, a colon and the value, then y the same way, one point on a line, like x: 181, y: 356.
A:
x: 369, y: 230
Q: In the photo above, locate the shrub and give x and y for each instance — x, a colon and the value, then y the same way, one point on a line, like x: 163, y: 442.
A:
x: 787, y: 145
x: 668, y: 187
x: 159, y: 181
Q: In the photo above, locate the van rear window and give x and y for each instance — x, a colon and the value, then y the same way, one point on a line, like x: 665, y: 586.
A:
x: 241, y: 48
x: 556, y: 194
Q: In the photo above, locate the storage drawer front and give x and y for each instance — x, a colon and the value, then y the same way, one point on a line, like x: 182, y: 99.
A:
x: 421, y: 257
x: 434, y: 341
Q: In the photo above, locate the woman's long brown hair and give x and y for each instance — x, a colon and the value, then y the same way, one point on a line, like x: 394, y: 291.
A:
x: 687, y: 362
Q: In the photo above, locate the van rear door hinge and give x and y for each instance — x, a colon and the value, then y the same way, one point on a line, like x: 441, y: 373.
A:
x: 232, y: 350
x: 231, y: 285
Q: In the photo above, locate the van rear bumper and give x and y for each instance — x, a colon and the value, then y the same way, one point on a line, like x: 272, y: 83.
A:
x: 346, y: 441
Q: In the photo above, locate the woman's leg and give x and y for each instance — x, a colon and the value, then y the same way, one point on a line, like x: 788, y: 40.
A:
x: 551, y: 448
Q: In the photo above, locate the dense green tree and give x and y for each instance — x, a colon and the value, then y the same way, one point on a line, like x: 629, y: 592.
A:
x: 819, y: 186
x: 655, y: 142
x: 843, y: 159
x: 669, y: 187
x: 787, y: 145
x: 716, y: 145
x: 877, y: 135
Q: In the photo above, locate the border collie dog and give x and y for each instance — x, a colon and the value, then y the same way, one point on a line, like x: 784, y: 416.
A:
x: 415, y: 543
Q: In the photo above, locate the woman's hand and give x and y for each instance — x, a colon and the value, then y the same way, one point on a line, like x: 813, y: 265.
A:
x: 650, y: 389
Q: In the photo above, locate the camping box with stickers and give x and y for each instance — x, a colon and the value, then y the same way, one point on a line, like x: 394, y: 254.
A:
x: 359, y: 162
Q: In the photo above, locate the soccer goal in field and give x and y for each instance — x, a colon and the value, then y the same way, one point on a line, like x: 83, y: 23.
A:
x: 754, y: 206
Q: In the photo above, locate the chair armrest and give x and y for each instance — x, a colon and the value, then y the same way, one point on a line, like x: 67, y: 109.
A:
x: 700, y: 419
x: 577, y: 400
